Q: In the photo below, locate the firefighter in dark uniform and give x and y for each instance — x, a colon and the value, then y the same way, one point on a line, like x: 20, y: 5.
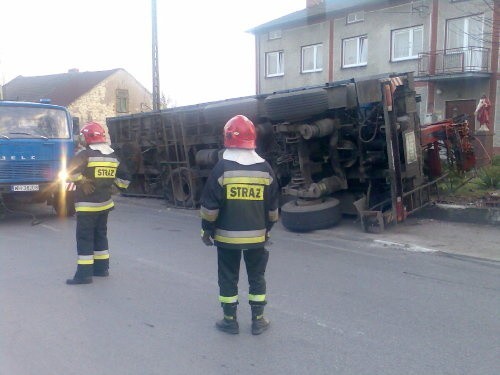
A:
x: 239, y: 206
x: 94, y: 170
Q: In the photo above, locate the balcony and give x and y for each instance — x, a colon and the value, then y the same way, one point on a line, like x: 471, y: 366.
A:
x: 454, y: 61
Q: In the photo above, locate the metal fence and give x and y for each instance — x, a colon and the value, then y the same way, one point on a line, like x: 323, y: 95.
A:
x: 454, y: 60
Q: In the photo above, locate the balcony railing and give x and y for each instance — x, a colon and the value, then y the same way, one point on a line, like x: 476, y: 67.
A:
x: 454, y: 60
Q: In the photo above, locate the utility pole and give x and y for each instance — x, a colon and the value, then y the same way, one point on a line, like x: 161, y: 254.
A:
x: 1, y: 85
x: 156, y: 72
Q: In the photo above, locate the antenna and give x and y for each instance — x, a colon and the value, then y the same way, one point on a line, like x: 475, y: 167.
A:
x: 156, y: 73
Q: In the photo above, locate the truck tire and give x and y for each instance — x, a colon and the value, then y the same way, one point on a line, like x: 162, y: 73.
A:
x: 296, y: 106
x: 183, y: 188
x: 301, y: 216
x: 64, y: 205
x: 218, y: 114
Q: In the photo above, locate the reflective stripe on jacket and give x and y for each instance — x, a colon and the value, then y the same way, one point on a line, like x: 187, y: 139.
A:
x: 102, y: 171
x: 239, y: 204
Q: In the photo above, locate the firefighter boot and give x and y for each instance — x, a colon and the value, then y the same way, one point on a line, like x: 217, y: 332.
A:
x: 228, y: 324
x: 83, y: 275
x: 259, y: 323
x: 101, y: 267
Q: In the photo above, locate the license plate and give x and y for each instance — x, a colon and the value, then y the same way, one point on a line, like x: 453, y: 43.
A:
x: 25, y: 187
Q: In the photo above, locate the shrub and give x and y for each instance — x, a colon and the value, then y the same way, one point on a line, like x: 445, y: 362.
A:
x: 488, y: 177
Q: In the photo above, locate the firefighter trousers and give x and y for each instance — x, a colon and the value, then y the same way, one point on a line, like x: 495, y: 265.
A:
x: 92, y: 238
x: 229, y: 270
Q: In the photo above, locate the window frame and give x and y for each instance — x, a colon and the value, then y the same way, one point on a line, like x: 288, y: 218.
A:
x: 274, y: 34
x: 359, y: 54
x: 316, y: 61
x: 280, y: 63
x: 466, y: 31
x: 122, y: 101
x: 356, y: 19
x: 412, y: 55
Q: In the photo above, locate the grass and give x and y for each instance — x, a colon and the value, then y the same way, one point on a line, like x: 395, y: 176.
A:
x: 473, y: 185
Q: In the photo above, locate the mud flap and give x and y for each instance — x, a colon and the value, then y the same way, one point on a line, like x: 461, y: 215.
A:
x: 372, y: 221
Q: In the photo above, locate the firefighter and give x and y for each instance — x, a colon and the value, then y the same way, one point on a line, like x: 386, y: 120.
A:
x: 94, y: 170
x: 239, y: 206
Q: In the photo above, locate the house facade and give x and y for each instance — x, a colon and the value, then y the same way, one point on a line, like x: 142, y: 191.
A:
x: 89, y: 96
x: 450, y: 45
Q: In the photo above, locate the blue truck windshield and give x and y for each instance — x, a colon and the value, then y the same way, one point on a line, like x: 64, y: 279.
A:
x: 24, y: 122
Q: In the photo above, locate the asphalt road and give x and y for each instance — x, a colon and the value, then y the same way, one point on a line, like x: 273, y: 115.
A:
x: 340, y: 302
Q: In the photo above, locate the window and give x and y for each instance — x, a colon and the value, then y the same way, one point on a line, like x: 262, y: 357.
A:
x: 355, y: 17
x: 27, y: 122
x: 121, y: 101
x: 464, y: 39
x: 354, y: 51
x: 274, y: 34
x: 464, y: 32
x: 312, y: 58
x: 407, y: 43
x: 274, y: 64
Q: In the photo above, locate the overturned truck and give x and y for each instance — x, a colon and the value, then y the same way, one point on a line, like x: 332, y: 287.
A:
x: 354, y: 147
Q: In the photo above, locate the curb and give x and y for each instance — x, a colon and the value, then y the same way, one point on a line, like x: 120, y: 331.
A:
x: 461, y: 214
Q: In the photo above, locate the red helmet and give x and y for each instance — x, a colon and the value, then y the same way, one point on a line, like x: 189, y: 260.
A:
x: 239, y: 132
x: 93, y: 133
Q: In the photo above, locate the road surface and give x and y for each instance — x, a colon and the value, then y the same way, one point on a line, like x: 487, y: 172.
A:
x: 340, y: 302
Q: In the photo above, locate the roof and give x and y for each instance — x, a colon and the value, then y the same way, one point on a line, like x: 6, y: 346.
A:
x: 305, y: 16
x: 62, y: 89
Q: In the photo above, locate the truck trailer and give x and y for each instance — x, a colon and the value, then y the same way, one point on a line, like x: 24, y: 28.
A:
x: 353, y: 147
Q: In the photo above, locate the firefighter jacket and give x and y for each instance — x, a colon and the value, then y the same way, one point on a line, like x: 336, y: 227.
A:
x: 102, y: 170
x: 239, y: 204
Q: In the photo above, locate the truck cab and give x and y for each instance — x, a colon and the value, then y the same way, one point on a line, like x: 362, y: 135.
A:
x: 36, y: 143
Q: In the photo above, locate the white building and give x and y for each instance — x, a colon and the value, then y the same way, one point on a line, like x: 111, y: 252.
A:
x: 451, y: 45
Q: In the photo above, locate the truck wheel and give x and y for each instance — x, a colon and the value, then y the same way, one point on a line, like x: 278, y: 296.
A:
x: 219, y: 113
x: 296, y: 106
x: 64, y: 204
x: 304, y: 216
x: 183, y: 188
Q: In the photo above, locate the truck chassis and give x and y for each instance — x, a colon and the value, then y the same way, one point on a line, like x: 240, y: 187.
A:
x: 353, y: 147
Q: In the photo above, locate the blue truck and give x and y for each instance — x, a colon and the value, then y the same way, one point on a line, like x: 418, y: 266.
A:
x: 36, y: 144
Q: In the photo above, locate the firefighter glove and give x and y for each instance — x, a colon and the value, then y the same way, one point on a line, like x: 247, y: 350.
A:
x: 206, y: 238
x: 87, y: 186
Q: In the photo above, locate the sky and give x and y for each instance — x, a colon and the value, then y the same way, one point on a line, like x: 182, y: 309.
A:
x: 204, y: 50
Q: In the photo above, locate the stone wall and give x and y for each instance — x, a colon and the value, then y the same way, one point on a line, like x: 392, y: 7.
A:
x: 100, y: 102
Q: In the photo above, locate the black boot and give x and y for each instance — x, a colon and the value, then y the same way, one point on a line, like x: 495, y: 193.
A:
x: 259, y: 323
x: 101, y: 273
x: 101, y: 267
x: 229, y: 324
x: 83, y: 275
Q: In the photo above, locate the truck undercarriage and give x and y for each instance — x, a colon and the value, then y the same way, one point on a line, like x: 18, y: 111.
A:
x: 354, y: 147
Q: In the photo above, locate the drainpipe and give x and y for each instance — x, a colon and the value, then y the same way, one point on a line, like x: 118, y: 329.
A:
x: 495, y: 43
x: 432, y: 62
x: 331, y: 62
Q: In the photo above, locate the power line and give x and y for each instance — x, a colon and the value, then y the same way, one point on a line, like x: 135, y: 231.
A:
x: 488, y: 5
x: 481, y: 18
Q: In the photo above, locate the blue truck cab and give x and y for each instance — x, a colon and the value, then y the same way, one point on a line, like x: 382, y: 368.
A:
x: 36, y: 144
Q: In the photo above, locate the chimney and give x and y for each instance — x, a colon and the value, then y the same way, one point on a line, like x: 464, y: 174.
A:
x: 313, y: 3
